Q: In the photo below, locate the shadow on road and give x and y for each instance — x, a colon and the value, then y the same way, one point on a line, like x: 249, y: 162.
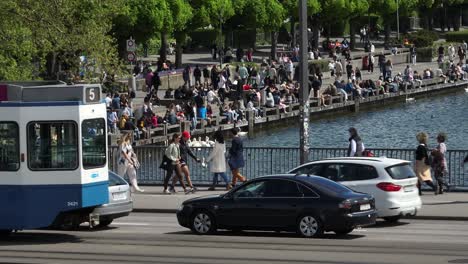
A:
x: 270, y: 234
x: 36, y: 238
x: 385, y: 224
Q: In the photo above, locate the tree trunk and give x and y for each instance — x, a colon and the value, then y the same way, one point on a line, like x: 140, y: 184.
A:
x: 51, y: 64
x: 274, y: 42
x: 442, y: 19
x: 293, y: 32
x: 387, y: 32
x: 163, y: 50
x: 315, y: 32
x: 352, y: 34
x: 180, y: 41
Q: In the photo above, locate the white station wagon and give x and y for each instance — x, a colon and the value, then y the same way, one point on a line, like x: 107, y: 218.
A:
x: 392, y: 182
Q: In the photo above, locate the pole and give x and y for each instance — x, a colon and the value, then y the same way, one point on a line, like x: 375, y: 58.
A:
x: 398, y: 19
x: 304, y: 84
x: 220, y: 41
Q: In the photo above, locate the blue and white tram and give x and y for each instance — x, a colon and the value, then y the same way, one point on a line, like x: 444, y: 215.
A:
x: 53, y: 154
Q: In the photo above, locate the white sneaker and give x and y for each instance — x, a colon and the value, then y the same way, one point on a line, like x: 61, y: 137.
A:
x: 166, y: 192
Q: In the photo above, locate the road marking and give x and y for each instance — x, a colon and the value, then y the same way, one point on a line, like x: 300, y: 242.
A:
x: 131, y: 224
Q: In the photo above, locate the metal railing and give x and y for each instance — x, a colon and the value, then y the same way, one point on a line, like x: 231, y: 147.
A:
x: 260, y: 161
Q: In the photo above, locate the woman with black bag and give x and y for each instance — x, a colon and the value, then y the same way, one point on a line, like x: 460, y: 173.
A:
x: 171, y: 163
x: 423, y: 162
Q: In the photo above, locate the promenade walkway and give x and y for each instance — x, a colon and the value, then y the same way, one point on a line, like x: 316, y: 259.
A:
x: 449, y: 206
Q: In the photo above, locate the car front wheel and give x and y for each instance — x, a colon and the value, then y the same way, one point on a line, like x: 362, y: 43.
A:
x: 203, y: 223
x: 309, y: 226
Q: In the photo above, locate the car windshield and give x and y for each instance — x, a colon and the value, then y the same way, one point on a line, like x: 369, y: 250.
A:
x: 325, y: 185
x: 401, y: 171
x: 115, y: 180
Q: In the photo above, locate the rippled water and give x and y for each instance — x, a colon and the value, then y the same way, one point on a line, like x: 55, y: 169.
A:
x: 394, y: 126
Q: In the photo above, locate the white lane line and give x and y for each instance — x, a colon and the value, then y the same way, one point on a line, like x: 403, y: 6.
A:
x: 131, y: 224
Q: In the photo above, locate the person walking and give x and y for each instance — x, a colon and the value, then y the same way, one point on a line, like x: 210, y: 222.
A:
x: 197, y: 75
x: 172, y: 155
x: 370, y: 64
x: 236, y: 157
x: 356, y: 146
x: 128, y: 161
x: 218, y: 161
x: 206, y: 76
x: 439, y: 164
x: 413, y: 54
x: 185, y: 151
x: 422, y: 166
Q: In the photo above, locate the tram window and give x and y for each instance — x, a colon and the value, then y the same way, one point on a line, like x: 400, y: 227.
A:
x: 9, y: 146
x: 94, y: 143
x: 53, y: 145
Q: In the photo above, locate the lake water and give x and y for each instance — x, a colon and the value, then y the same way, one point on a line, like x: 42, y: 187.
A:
x: 393, y: 126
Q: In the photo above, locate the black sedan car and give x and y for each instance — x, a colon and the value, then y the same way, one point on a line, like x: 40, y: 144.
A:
x: 309, y: 205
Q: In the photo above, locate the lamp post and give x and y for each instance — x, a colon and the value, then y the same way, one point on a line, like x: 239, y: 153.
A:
x: 220, y: 40
x: 304, y: 84
x: 398, y: 18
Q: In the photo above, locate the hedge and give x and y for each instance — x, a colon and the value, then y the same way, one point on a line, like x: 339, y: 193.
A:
x: 203, y: 37
x: 422, y: 38
x: 424, y: 54
x: 458, y: 36
x: 322, y: 64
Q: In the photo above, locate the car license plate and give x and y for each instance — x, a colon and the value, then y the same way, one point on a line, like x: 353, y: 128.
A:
x: 408, y: 188
x: 119, y: 196
x: 365, y: 207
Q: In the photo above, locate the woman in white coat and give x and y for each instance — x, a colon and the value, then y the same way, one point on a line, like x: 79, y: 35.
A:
x: 217, y: 161
x: 128, y: 161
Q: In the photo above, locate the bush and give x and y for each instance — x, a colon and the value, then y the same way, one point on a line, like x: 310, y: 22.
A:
x: 424, y: 54
x: 245, y: 63
x: 321, y: 64
x: 422, y: 38
x: 203, y: 37
x: 458, y: 36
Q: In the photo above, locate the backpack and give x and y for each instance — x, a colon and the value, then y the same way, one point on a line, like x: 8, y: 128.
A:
x: 429, y: 159
x: 367, y: 153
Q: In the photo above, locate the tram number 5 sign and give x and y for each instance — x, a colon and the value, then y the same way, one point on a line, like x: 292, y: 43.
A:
x: 92, y: 95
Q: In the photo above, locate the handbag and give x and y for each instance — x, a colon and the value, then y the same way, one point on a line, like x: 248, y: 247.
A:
x: 166, y: 163
x: 135, y: 162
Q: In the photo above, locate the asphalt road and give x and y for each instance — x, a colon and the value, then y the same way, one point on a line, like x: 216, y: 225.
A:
x: 157, y: 238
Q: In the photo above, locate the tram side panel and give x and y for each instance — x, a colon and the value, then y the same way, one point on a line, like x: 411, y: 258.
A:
x: 50, y: 177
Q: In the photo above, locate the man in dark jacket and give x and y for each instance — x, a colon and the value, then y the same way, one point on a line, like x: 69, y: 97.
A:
x: 197, y: 75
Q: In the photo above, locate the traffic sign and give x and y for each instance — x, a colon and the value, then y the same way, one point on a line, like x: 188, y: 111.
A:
x: 131, y: 56
x: 131, y: 45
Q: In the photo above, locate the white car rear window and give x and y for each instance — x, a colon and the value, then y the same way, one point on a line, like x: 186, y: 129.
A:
x: 401, y: 171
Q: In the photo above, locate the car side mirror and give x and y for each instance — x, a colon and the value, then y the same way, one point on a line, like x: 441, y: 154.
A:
x: 228, y: 196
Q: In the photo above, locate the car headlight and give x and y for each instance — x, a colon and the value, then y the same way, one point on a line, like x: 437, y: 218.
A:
x: 181, y: 207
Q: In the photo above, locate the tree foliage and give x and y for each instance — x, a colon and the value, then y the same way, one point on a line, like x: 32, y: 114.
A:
x: 57, y: 32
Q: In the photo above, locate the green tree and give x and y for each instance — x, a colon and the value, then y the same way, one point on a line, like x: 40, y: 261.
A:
x: 276, y: 15
x: 140, y: 19
x: 182, y: 13
x: 355, y: 9
x: 60, y: 31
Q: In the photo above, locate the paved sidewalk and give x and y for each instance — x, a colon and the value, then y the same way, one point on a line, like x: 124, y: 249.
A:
x: 450, y: 206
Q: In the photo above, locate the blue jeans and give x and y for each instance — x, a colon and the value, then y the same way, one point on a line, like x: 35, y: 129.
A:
x: 223, y: 175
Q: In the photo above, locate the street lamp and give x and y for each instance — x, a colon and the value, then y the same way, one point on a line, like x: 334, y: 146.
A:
x: 220, y: 39
x: 398, y: 18
x: 304, y: 84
